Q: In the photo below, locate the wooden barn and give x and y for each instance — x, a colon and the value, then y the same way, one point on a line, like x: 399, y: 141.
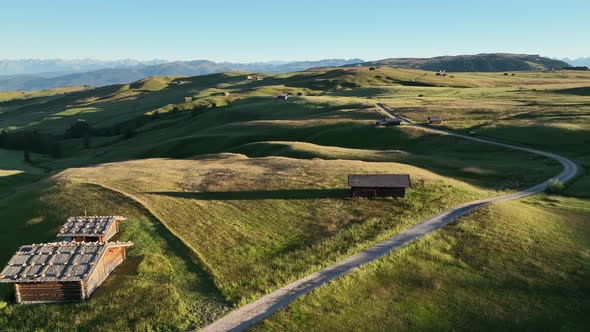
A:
x: 282, y: 97
x: 435, y: 119
x: 62, y: 271
x: 388, y: 122
x: 378, y: 185
x: 90, y: 229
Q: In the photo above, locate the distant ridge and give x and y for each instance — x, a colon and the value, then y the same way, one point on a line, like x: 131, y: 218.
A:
x: 578, y: 61
x: 63, y: 66
x: 108, y: 76
x: 485, y: 62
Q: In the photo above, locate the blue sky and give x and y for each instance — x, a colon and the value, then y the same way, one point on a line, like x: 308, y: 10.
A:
x: 260, y: 30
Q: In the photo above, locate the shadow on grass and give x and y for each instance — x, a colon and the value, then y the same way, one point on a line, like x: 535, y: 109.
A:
x: 258, y: 194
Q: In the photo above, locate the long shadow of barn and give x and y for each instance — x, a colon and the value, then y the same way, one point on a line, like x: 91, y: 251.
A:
x: 259, y: 194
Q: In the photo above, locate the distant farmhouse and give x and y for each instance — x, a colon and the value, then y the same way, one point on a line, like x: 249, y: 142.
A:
x: 90, y: 229
x: 435, y: 119
x: 282, y: 97
x: 388, y: 122
x: 254, y: 78
x: 62, y: 271
x: 378, y: 185
x: 188, y: 99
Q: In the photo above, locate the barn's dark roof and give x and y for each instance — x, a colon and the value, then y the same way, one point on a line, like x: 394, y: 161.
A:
x: 88, y: 226
x: 388, y: 120
x: 379, y: 180
x: 59, y: 261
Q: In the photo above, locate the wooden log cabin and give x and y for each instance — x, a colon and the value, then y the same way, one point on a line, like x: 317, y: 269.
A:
x: 90, y: 229
x: 378, y: 185
x: 435, y: 119
x: 62, y: 271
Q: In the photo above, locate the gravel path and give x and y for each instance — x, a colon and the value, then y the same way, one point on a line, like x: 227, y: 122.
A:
x: 244, y: 317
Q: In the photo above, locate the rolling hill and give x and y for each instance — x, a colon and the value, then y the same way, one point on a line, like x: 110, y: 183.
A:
x: 487, y: 62
x: 231, y: 194
x: 117, y: 75
x: 497, y: 62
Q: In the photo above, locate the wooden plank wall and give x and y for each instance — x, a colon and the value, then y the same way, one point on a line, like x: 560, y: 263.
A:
x: 47, y: 292
x: 111, y: 259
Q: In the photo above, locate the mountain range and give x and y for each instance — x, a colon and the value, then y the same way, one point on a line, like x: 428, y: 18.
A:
x: 585, y: 62
x: 64, y: 66
x: 108, y: 76
x: 61, y: 73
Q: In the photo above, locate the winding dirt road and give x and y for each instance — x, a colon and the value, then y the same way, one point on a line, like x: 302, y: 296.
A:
x: 244, y: 317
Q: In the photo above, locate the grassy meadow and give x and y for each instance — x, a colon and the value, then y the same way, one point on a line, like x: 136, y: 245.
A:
x: 259, y: 223
x: 161, y: 285
x: 232, y: 196
x: 511, y: 266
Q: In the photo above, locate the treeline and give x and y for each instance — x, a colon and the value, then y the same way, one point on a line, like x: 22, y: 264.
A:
x: 31, y: 141
x: 576, y: 68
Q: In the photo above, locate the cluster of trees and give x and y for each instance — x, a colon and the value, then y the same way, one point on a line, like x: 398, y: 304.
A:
x: 576, y: 68
x: 35, y: 141
x: 31, y: 141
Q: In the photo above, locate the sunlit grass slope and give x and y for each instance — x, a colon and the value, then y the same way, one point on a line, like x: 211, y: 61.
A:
x: 159, y: 287
x: 258, y: 223
x: 509, y: 266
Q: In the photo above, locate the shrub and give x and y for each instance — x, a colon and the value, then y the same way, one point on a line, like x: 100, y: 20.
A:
x: 555, y: 186
x: 78, y: 129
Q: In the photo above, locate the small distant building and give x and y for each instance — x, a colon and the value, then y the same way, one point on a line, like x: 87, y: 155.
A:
x: 254, y: 78
x: 282, y: 97
x: 372, y: 68
x: 435, y: 119
x: 226, y: 93
x: 90, y: 229
x: 188, y: 99
x: 62, y: 271
x: 388, y: 122
x: 378, y: 185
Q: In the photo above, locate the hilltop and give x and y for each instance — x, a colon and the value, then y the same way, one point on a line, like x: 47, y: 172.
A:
x: 487, y: 62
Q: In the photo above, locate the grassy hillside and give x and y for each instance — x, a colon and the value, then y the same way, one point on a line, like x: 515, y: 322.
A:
x: 232, y: 196
x: 509, y: 266
x: 256, y: 224
x: 14, y: 171
x: 487, y: 62
x: 160, y: 286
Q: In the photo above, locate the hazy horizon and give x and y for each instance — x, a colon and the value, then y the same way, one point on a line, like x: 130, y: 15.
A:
x: 270, y: 60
